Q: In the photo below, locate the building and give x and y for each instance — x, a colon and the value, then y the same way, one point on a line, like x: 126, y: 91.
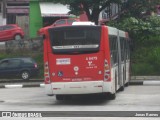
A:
x: 111, y: 12
x: 44, y: 14
x: 17, y: 12
x: 2, y: 12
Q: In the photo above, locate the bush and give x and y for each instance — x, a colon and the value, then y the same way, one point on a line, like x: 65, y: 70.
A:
x: 142, y: 69
x: 145, y: 37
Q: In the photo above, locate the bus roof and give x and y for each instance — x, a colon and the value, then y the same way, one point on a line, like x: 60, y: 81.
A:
x: 112, y: 30
x: 83, y: 23
x: 123, y: 34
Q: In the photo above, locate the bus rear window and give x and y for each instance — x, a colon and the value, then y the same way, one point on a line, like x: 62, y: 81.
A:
x: 75, y: 39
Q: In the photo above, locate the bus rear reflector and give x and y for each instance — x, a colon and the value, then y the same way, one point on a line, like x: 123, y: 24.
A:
x: 47, y: 80
x: 106, y: 71
x: 46, y: 74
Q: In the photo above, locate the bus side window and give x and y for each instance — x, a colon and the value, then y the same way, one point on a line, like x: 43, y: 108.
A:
x: 113, y: 49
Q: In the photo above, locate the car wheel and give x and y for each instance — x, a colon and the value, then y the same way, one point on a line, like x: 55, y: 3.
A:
x: 25, y: 75
x: 17, y: 37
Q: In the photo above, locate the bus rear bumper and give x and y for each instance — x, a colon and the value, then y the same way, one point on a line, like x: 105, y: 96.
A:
x: 48, y: 89
x: 78, y: 87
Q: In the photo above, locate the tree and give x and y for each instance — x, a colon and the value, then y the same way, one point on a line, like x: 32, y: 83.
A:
x: 139, y: 8
x: 145, y: 39
x: 91, y: 7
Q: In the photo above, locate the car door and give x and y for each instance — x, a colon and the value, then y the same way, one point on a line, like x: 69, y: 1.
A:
x: 14, y: 67
x: 4, y: 68
x: 8, y: 32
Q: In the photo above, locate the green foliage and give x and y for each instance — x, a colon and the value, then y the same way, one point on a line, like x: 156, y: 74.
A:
x: 139, y: 8
x: 146, y: 43
x: 91, y: 7
x: 146, y: 61
x: 136, y: 8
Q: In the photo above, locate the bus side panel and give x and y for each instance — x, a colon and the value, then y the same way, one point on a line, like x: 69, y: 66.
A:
x: 48, y: 86
x: 127, y: 62
x: 108, y: 85
x: 127, y: 71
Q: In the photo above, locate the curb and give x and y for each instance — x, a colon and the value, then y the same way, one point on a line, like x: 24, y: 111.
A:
x: 18, y: 81
x: 144, y: 82
x: 145, y: 77
x: 21, y: 86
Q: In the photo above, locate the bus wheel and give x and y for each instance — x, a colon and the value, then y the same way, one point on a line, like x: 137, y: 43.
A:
x: 111, y: 96
x: 68, y: 97
x: 123, y: 84
x: 127, y: 84
x: 121, y: 88
x: 59, y: 97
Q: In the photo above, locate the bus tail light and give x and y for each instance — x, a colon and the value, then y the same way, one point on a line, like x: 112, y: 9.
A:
x: 106, y: 71
x: 46, y: 74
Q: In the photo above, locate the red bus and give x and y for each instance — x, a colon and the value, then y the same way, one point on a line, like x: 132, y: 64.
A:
x: 85, y: 59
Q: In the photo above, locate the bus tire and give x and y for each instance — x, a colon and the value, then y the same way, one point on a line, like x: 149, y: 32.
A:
x: 68, y: 97
x: 123, y: 84
x: 59, y: 97
x: 121, y: 88
x: 127, y: 84
x: 111, y: 96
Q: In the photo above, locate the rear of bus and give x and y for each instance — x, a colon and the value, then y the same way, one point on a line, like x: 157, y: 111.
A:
x: 76, y: 62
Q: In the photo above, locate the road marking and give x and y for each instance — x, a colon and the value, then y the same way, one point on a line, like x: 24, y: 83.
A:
x: 13, y: 86
x: 42, y: 85
x: 151, y: 82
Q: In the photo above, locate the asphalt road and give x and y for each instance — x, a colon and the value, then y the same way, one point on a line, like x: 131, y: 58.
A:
x: 134, y: 98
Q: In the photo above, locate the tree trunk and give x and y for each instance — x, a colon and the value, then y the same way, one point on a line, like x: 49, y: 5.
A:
x: 95, y: 16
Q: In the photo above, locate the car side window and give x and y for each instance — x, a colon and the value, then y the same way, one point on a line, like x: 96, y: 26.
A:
x: 60, y: 22
x: 4, y: 64
x: 70, y: 21
x: 27, y: 61
x: 14, y: 63
x: 1, y: 28
x: 8, y: 27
